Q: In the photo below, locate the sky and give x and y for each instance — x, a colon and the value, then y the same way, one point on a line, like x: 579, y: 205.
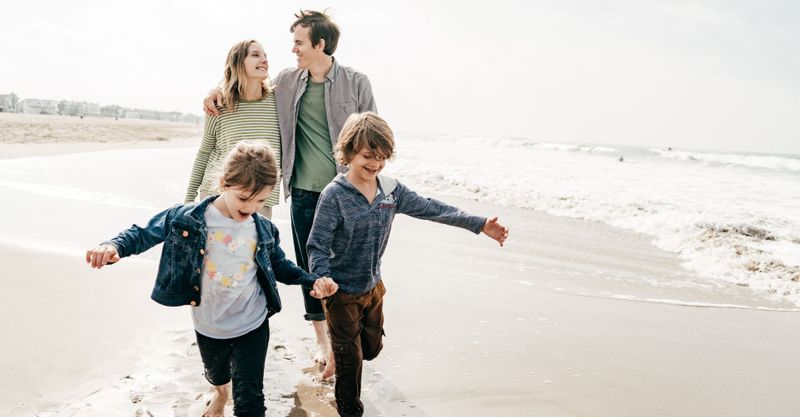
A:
x: 707, y: 75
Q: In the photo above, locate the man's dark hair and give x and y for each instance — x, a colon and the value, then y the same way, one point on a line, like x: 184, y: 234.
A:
x: 322, y: 27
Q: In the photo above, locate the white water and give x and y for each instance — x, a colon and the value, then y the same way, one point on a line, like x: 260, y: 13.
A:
x: 730, y: 217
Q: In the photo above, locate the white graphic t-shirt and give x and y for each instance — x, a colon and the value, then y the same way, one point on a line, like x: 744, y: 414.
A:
x: 232, y: 303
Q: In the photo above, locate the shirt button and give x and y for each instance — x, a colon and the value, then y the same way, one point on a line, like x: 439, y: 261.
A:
x: 185, y: 233
x: 196, y: 288
x: 198, y: 270
x: 193, y: 303
x: 202, y: 251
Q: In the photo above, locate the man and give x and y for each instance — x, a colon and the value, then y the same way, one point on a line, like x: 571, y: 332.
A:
x: 314, y: 100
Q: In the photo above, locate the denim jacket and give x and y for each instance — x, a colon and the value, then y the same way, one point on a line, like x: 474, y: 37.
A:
x: 183, y: 230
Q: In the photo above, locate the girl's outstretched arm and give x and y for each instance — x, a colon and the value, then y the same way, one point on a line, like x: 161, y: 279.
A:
x: 495, y: 230
x: 102, y: 255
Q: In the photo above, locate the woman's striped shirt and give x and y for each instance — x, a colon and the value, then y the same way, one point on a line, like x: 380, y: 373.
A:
x: 254, y: 121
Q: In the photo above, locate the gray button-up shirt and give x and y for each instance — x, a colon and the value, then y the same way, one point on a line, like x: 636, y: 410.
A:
x: 347, y: 91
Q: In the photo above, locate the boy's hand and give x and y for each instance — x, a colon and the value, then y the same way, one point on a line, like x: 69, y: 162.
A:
x: 212, y: 100
x: 102, y: 255
x: 495, y: 230
x: 324, y: 287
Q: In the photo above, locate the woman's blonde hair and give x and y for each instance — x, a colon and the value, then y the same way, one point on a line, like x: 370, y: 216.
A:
x: 250, y: 166
x: 364, y: 130
x: 235, y: 75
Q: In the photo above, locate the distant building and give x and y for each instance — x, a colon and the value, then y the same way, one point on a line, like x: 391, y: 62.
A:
x: 190, y: 118
x: 9, y: 103
x: 131, y: 114
x: 12, y: 103
x: 91, y: 109
x: 112, y: 111
x: 37, y: 106
x: 78, y: 108
x: 173, y: 116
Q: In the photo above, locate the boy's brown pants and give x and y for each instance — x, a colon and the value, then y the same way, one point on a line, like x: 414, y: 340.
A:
x: 356, y: 326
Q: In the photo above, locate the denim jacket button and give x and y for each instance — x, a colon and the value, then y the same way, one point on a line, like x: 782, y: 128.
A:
x: 193, y: 303
x: 185, y: 233
x: 196, y: 288
x: 198, y: 270
x: 202, y: 251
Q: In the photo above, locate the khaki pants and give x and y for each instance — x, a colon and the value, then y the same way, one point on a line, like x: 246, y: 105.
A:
x: 265, y: 211
x: 356, y: 326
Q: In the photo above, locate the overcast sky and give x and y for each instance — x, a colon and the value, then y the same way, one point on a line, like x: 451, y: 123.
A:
x: 717, y: 75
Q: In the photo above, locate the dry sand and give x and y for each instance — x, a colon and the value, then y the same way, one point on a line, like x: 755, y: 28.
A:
x: 40, y: 135
x: 35, y: 128
x: 536, y: 328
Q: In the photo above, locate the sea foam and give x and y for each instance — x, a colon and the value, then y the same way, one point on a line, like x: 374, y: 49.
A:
x: 730, y: 217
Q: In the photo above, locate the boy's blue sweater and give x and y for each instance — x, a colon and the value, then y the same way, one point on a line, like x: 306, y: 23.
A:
x: 349, y: 234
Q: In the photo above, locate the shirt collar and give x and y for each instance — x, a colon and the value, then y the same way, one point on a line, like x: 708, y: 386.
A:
x: 331, y: 73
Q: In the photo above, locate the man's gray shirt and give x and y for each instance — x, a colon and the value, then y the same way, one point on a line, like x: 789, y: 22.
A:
x: 347, y: 91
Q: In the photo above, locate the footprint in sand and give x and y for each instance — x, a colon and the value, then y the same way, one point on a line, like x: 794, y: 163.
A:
x: 142, y: 412
x: 284, y: 352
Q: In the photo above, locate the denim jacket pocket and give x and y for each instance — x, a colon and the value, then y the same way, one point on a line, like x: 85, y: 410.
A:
x: 180, y: 251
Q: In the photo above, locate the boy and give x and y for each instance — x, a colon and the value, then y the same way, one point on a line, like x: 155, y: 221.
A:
x: 350, y: 232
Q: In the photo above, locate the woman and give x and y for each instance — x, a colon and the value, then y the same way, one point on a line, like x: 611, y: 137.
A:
x: 249, y: 113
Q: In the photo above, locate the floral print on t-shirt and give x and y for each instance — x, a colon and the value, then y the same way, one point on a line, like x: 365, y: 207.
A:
x: 238, y: 253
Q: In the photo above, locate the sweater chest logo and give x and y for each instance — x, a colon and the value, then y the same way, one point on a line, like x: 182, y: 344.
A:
x: 388, y: 202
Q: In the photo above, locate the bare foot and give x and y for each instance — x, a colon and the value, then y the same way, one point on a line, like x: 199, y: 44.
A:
x: 319, y: 357
x: 323, y: 342
x: 330, y: 368
x: 216, y: 407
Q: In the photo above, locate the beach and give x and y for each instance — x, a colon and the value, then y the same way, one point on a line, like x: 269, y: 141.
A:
x: 572, y: 317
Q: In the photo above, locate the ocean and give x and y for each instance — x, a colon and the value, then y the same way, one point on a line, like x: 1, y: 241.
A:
x: 730, y: 217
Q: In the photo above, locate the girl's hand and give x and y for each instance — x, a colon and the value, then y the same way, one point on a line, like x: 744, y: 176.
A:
x: 495, y: 230
x: 324, y: 287
x: 102, y: 255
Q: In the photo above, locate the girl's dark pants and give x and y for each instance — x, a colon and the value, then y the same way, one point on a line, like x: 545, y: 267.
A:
x: 241, y: 359
x: 356, y: 326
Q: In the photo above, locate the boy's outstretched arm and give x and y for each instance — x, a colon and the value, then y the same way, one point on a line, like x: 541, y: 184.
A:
x: 102, y: 255
x: 324, y: 287
x: 495, y: 230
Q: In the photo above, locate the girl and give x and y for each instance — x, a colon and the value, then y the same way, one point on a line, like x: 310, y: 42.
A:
x: 222, y: 258
x: 249, y: 113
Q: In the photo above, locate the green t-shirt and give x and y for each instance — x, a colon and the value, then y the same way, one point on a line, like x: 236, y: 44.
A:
x: 314, y: 165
